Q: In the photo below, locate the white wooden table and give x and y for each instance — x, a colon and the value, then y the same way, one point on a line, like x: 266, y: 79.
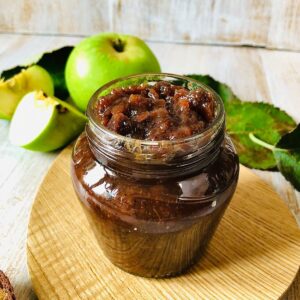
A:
x: 253, y: 73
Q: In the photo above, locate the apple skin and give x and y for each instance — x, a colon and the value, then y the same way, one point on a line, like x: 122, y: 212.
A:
x: 55, y: 123
x: 96, y: 61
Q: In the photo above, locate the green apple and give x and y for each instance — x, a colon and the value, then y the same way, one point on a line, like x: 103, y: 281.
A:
x: 42, y: 123
x: 99, y: 59
x: 13, y: 89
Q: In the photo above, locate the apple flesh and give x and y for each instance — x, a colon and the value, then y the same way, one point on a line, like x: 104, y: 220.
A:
x: 99, y: 59
x: 42, y: 123
x: 13, y: 89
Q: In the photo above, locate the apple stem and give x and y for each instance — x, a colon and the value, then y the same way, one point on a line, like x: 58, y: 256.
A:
x: 118, y: 45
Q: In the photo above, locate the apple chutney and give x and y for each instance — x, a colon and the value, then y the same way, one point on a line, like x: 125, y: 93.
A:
x: 155, y: 171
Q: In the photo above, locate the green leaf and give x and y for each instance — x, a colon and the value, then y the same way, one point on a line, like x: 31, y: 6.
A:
x: 222, y: 89
x: 265, y: 121
x: 287, y: 155
x: 54, y: 62
x: 11, y: 72
x: 291, y: 140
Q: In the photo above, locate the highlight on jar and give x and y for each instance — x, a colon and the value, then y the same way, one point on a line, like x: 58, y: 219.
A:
x: 154, y: 171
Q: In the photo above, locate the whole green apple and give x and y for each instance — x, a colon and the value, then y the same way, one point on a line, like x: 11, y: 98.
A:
x: 99, y: 59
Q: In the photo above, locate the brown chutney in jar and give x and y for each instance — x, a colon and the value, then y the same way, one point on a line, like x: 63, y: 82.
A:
x: 155, y: 171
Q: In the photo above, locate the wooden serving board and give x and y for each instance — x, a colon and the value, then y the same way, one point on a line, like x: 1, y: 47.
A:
x: 254, y: 254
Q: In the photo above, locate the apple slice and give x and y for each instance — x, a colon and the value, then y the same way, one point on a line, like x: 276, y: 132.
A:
x: 13, y: 89
x: 42, y: 123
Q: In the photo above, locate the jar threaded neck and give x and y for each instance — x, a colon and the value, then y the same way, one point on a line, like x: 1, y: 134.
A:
x: 155, y: 159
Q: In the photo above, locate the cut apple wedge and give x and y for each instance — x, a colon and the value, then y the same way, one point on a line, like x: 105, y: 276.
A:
x: 13, y: 89
x: 44, y: 123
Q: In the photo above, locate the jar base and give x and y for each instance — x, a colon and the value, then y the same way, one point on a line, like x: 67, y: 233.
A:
x: 181, y: 272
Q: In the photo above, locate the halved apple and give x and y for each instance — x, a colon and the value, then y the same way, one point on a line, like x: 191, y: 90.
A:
x: 44, y: 123
x: 13, y: 89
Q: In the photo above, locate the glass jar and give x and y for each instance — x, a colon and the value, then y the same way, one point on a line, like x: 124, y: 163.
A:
x: 154, y: 205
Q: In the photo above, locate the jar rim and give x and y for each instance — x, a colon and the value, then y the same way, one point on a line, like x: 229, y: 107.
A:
x: 217, y: 120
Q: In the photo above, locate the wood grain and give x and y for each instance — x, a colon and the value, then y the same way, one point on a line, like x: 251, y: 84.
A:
x: 271, y: 24
x: 254, y: 74
x: 254, y: 254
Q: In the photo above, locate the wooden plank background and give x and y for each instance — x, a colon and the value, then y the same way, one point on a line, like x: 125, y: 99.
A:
x: 266, y: 23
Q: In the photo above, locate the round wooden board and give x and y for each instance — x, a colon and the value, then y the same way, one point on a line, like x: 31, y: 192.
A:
x: 254, y: 254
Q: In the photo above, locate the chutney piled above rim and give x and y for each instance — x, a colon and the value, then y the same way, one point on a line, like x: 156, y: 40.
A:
x: 156, y: 112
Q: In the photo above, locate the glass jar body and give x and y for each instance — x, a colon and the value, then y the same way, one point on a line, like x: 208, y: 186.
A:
x: 154, y: 227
